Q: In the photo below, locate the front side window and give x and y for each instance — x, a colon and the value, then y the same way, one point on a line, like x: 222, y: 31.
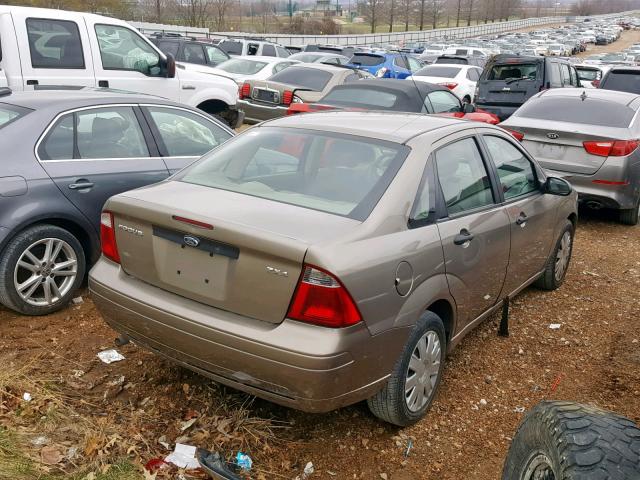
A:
x: 400, y: 62
x: 338, y: 174
x: 444, y: 102
x: 186, y: 134
x: 463, y: 177
x: 566, y: 75
x: 414, y: 65
x: 124, y: 49
x: 515, y: 171
x: 54, y: 44
x: 231, y: 47
x: 215, y: 55
x: 194, y: 53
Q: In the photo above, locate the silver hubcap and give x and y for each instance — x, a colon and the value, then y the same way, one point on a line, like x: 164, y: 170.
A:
x: 423, y: 371
x: 563, y: 256
x: 45, y: 272
x: 538, y: 468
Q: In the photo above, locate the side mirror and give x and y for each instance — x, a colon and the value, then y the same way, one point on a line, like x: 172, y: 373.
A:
x: 557, y: 186
x: 170, y: 66
x: 468, y: 108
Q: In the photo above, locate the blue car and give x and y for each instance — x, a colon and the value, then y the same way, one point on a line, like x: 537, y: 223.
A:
x: 386, y: 65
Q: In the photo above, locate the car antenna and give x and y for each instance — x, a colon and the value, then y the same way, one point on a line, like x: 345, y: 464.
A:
x: 406, y: 59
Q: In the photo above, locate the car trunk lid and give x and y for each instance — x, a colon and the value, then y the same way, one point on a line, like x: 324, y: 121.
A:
x: 245, y: 256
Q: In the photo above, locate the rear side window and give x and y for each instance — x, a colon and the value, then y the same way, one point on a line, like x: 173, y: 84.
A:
x: 310, y: 78
x: 401, y: 62
x: 573, y: 110
x: 443, y: 102
x: 11, y: 113
x: 473, y: 74
x: 54, y: 44
x: 525, y: 71
x: 169, y: 47
x: 436, y: 71
x: 367, y: 60
x: 268, y: 50
x: 623, y: 81
x: 231, y: 47
x: 194, y: 53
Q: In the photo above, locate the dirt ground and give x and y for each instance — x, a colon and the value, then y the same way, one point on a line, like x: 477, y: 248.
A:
x: 88, y: 420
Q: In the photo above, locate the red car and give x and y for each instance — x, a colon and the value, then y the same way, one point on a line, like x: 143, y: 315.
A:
x: 395, y: 96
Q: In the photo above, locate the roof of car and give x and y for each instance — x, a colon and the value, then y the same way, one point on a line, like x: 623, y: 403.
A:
x: 392, y: 126
x: 321, y: 66
x: 40, y: 99
x: 261, y: 58
x: 394, y: 85
x: 623, y: 98
x: 317, y: 54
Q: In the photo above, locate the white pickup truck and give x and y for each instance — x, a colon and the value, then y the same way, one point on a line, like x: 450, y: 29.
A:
x: 42, y: 48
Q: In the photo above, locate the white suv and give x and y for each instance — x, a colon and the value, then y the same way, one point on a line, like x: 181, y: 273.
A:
x: 242, y: 47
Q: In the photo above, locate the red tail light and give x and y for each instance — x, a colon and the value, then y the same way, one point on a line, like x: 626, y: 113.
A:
x: 617, y: 148
x: 517, y: 135
x: 287, y: 97
x: 108, y: 237
x: 245, y: 91
x: 449, y: 85
x: 321, y: 299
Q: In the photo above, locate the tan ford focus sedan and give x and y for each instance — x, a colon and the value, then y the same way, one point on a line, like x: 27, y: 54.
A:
x: 320, y: 260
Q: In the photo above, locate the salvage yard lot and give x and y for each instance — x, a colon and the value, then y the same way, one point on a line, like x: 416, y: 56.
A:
x: 86, y: 417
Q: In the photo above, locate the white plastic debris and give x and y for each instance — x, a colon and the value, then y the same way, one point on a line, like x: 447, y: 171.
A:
x: 308, y: 470
x: 26, y: 396
x: 519, y: 409
x: 555, y: 326
x: 483, y: 402
x: 110, y: 356
x: 184, y: 456
x: 77, y: 300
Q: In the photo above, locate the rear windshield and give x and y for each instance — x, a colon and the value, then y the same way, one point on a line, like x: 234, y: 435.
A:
x: 573, y: 110
x: 240, y: 65
x: 311, y: 78
x: 11, y: 113
x: 441, y: 72
x: 588, y: 74
x: 338, y: 174
x: 523, y: 71
x: 360, y: 97
x: 366, y: 60
x: 452, y: 61
x: 623, y: 81
x: 231, y: 47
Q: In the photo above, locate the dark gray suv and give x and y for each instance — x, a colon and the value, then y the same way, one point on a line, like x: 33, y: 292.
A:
x: 65, y: 153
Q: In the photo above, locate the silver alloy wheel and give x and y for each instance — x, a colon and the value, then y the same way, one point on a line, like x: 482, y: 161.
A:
x: 563, y: 256
x: 423, y: 371
x: 538, y: 468
x: 45, y: 272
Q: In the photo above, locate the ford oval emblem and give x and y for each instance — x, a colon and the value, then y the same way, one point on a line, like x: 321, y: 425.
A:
x: 191, y: 241
x: 553, y: 136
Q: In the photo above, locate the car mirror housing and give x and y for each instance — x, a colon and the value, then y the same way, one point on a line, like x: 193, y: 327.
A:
x: 557, y: 186
x: 468, y: 108
x: 170, y: 66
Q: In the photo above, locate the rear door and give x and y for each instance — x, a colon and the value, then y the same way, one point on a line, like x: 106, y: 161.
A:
x: 58, y: 50
x: 474, y: 228
x: 531, y: 213
x: 110, y: 155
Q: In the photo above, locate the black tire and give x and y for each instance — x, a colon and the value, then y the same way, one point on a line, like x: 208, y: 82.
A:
x: 9, y: 258
x: 629, y: 216
x: 548, y: 280
x: 390, y: 403
x: 569, y: 441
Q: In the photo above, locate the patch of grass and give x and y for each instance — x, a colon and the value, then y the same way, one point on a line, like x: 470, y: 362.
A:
x: 13, y: 463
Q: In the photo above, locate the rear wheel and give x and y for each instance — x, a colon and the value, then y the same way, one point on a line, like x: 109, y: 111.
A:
x: 558, y: 264
x: 569, y: 441
x: 40, y: 270
x: 416, y: 376
x: 630, y: 216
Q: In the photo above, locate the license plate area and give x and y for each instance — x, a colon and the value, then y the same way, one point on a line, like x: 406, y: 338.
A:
x: 266, y: 96
x: 550, y: 151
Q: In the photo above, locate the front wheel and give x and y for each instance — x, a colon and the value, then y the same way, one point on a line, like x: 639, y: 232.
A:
x: 416, y: 376
x: 40, y: 270
x: 556, y: 269
x: 569, y: 441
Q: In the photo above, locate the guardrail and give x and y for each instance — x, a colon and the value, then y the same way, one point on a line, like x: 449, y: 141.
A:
x: 381, y: 38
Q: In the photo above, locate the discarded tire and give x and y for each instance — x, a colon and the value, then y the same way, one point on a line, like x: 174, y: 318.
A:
x: 568, y: 441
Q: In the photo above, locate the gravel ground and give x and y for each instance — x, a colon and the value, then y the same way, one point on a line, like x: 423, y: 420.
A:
x: 110, y: 412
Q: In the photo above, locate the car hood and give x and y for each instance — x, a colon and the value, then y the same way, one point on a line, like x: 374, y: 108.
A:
x: 192, y: 72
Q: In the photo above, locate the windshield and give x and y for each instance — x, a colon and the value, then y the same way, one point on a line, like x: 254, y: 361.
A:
x: 574, y: 110
x: 525, y: 71
x: 11, y: 113
x: 441, y: 72
x: 588, y: 74
x: 338, y: 174
x: 240, y: 65
x: 311, y: 78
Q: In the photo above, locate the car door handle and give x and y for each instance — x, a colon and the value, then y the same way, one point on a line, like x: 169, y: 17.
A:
x: 103, y: 83
x: 32, y: 82
x: 522, y: 220
x: 80, y: 185
x: 463, y: 238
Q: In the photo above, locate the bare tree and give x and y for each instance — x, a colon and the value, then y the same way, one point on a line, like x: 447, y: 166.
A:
x: 392, y: 11
x: 422, y: 11
x: 469, y: 12
x: 372, y: 10
x: 437, y: 7
x: 458, y: 13
x: 220, y: 10
x: 407, y: 9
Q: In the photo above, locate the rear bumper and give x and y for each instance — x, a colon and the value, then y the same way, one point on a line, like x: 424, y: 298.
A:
x: 297, y: 365
x: 617, y: 197
x: 257, y: 112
